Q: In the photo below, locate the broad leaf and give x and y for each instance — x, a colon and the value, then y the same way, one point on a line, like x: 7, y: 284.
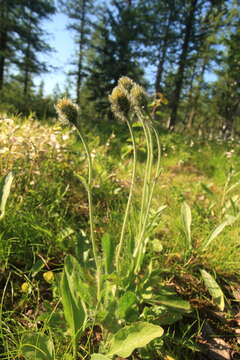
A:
x: 187, y: 220
x: 134, y: 336
x: 73, y: 306
x: 4, y: 193
x: 37, y: 346
x: 214, y: 289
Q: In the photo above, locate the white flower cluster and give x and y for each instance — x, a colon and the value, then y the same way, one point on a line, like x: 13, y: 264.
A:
x: 30, y: 140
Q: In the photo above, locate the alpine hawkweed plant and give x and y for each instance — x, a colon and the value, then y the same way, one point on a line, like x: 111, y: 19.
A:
x: 69, y: 111
x: 115, y: 303
x: 121, y: 105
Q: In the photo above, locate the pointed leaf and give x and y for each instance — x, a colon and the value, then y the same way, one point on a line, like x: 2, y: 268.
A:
x: 134, y: 336
x: 214, y: 289
x: 230, y: 220
x: 187, y: 220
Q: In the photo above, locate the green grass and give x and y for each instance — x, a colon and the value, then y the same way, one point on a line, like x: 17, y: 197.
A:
x: 47, y: 218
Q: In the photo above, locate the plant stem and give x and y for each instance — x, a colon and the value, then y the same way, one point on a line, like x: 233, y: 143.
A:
x: 145, y: 183
x: 89, y: 193
x: 120, y: 245
x: 150, y: 191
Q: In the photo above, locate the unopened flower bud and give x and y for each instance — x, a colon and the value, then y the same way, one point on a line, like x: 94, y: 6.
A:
x: 119, y: 101
x: 26, y: 288
x: 67, y: 111
x: 48, y: 276
x: 126, y: 83
x: 139, y: 97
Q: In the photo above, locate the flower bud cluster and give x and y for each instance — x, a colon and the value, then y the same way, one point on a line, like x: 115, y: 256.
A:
x: 127, y: 95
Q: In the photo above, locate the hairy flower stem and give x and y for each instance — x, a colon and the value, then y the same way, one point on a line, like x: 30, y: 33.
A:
x: 146, y: 176
x: 158, y: 170
x: 150, y: 190
x: 89, y: 193
x: 120, y: 245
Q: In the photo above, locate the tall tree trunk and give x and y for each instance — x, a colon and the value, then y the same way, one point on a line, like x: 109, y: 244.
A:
x: 3, y: 47
x: 182, y: 64
x: 80, y: 57
x: 3, y: 41
x: 26, y: 71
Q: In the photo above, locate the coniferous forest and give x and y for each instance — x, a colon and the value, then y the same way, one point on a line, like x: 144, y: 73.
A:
x: 185, y: 50
x: 119, y: 191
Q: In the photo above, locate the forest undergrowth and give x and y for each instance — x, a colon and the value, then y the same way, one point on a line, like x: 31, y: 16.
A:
x: 84, y: 271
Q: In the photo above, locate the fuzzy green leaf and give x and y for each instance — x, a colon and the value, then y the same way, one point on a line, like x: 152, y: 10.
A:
x: 214, y: 289
x: 134, y: 336
x: 187, y: 220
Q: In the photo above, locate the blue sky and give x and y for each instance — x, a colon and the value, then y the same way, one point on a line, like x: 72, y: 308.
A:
x: 61, y: 40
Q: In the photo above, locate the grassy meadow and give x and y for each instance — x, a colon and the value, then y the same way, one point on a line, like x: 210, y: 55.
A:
x: 69, y: 290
